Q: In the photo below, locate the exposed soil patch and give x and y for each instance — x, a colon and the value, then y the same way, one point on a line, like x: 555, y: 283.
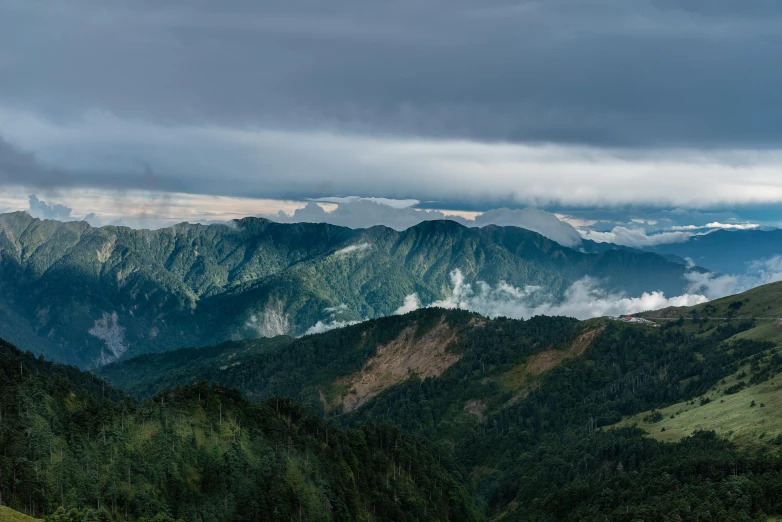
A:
x: 426, y: 356
x: 547, y: 360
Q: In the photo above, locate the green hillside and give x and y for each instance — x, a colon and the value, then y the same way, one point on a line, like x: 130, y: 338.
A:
x: 204, y: 453
x: 9, y: 515
x: 516, y: 403
x: 326, y: 371
x: 745, y: 406
x: 751, y: 416
x: 761, y: 306
x: 89, y: 296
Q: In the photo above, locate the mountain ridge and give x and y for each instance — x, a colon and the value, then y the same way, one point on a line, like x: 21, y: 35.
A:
x: 89, y: 295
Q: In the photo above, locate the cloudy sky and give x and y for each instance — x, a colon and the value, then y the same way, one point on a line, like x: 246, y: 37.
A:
x: 624, y: 117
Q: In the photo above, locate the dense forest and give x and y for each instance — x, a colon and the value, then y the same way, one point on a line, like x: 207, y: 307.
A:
x: 510, y: 430
x: 73, y: 446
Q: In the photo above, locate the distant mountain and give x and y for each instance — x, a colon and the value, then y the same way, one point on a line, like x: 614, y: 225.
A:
x: 89, y: 296
x: 727, y: 251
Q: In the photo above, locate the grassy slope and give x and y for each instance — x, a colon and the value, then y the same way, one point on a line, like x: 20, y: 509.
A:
x: 729, y: 415
x: 9, y: 515
x: 763, y: 304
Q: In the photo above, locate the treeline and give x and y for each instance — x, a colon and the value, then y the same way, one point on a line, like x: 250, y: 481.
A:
x: 623, y: 475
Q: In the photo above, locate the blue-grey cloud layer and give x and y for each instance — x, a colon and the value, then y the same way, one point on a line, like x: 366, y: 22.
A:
x: 640, y: 73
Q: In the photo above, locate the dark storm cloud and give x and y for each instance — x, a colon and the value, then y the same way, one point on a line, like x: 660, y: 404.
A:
x: 640, y: 73
x: 19, y: 167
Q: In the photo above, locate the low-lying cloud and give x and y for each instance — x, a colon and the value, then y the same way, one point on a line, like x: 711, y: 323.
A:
x: 716, y: 225
x: 714, y: 286
x: 411, y: 304
x: 360, y: 247
x: 321, y: 326
x: 636, y: 237
x: 641, y: 233
x: 583, y: 300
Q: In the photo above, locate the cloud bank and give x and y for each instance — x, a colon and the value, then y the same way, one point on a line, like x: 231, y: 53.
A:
x: 522, y: 71
x: 357, y: 212
x: 321, y: 327
x: 109, y: 153
x: 583, y: 300
x: 635, y: 237
x: 759, y: 272
x: 42, y: 210
x: 488, y: 104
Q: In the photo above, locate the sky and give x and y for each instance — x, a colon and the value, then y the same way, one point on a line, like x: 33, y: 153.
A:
x: 632, y: 121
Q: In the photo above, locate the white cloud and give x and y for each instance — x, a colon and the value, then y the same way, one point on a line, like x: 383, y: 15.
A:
x: 360, y: 247
x: 333, y: 310
x: 321, y: 327
x: 635, y: 237
x: 411, y: 304
x: 717, y: 225
x: 733, y: 226
x: 584, y: 299
x: 759, y: 272
x: 459, y: 292
x: 42, y: 210
x: 393, y: 203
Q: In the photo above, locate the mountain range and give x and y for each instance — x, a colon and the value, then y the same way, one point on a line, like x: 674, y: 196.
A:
x: 89, y: 296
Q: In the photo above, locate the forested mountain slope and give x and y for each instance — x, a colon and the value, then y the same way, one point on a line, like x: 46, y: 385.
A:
x: 745, y: 405
x: 203, y: 453
x: 517, y: 403
x: 337, y: 370
x: 89, y: 296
